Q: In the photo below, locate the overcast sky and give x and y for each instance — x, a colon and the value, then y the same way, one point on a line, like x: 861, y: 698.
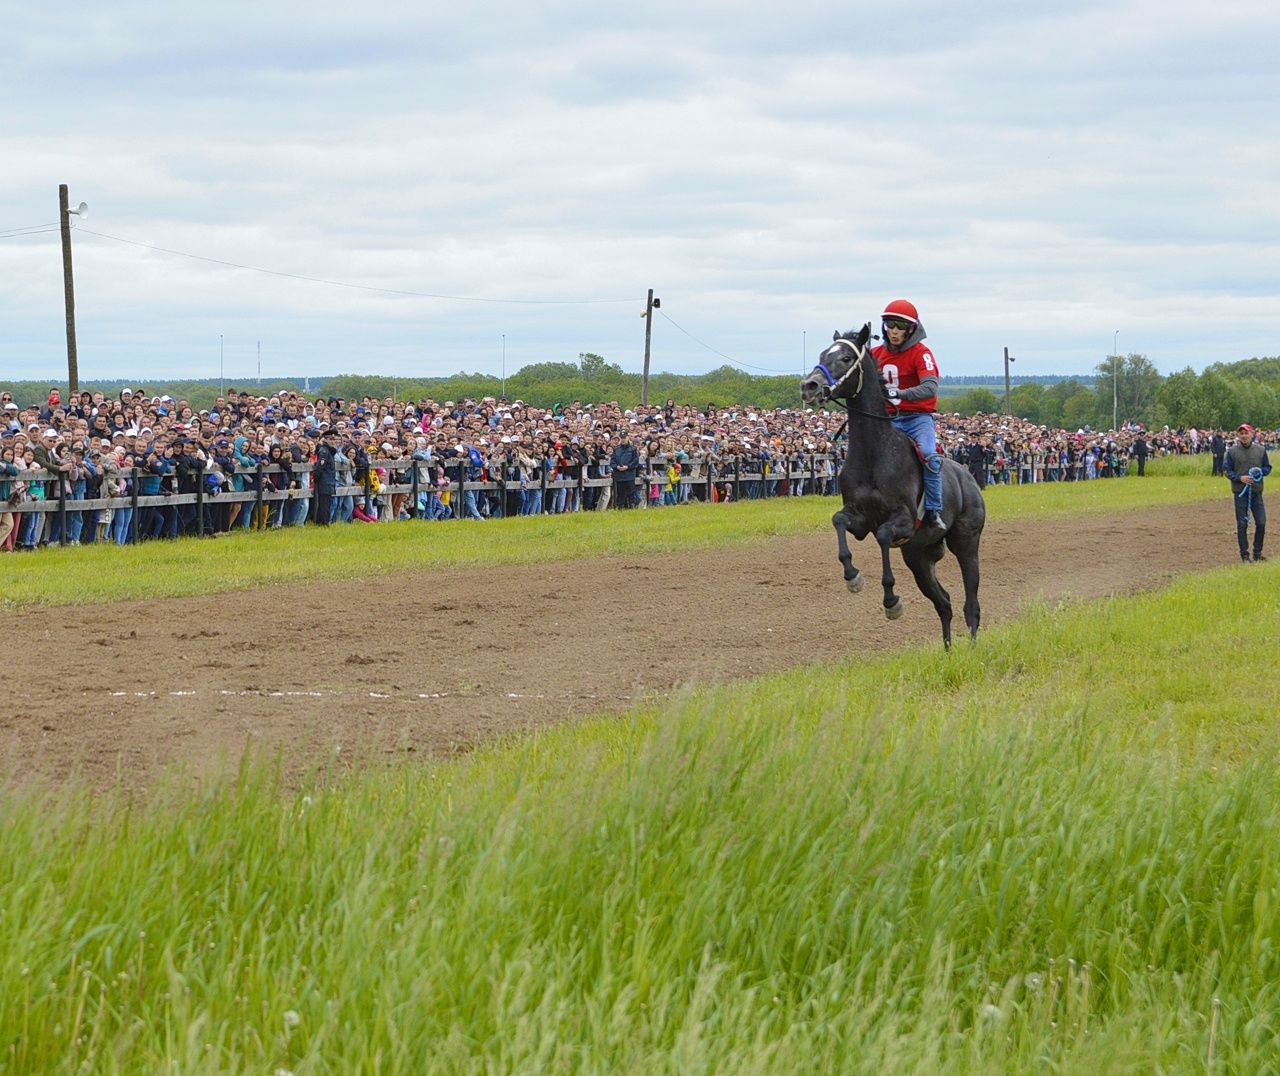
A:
x: 1034, y: 176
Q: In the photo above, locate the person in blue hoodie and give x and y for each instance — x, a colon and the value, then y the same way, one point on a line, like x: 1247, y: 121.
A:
x: 150, y: 518
x: 164, y: 523
x: 247, y: 456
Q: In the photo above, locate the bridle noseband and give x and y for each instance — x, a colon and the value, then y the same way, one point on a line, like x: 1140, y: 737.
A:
x: 834, y: 383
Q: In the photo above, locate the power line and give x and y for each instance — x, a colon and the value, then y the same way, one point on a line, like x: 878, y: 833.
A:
x: 736, y: 362
x: 29, y: 227
x: 39, y: 229
x: 347, y: 284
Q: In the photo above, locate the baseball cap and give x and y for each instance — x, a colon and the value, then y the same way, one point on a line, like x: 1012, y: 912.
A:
x: 1245, y: 427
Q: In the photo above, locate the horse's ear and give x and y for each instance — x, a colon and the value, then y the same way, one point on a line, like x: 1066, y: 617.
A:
x: 835, y: 336
x: 864, y: 335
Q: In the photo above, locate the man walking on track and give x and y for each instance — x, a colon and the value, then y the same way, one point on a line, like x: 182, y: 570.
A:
x: 1247, y: 465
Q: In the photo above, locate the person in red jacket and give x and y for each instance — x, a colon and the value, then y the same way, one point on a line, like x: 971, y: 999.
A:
x: 910, y: 375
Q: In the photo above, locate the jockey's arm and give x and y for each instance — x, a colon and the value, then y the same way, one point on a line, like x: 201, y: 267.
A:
x: 927, y: 389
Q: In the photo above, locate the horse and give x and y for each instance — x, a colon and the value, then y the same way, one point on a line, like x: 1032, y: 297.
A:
x: 882, y: 487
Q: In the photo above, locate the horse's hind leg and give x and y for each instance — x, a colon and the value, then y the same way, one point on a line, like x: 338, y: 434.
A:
x: 922, y: 563
x: 968, y: 559
x: 853, y: 578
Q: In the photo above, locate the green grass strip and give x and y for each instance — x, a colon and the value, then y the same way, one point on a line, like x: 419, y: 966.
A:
x: 241, y: 561
x: 1055, y: 850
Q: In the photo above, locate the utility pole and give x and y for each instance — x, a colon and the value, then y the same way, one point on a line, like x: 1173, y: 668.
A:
x: 1008, y: 395
x: 650, y: 306
x: 69, y: 291
x: 1115, y: 380
x: 222, y: 381
x: 504, y: 366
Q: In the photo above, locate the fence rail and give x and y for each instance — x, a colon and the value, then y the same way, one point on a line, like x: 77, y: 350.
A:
x: 814, y: 467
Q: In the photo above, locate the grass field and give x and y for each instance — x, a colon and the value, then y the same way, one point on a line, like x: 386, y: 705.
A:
x: 246, y: 560
x: 1052, y: 851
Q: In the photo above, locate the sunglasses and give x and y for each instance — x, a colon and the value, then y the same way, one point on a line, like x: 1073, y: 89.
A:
x: 897, y: 323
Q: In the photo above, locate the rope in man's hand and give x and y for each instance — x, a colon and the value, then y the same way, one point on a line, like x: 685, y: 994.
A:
x: 1255, y: 473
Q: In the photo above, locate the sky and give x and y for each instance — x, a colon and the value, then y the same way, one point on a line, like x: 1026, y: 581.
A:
x: 499, y: 184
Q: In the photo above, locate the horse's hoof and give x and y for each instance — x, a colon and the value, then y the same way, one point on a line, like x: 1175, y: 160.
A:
x: 856, y: 583
x: 895, y: 610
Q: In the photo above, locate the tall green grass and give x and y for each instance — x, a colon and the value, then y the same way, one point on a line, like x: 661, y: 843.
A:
x: 1055, y: 850
x: 246, y: 560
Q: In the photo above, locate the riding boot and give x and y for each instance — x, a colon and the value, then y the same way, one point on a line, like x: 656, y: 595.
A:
x: 933, y: 520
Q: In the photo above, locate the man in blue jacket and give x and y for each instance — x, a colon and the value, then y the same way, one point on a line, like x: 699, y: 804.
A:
x: 326, y: 476
x: 624, y: 462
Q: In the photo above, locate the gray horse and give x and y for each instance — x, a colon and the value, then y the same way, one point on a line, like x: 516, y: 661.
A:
x: 882, y: 486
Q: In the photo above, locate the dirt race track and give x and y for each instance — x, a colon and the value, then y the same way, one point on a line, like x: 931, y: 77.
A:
x: 436, y: 661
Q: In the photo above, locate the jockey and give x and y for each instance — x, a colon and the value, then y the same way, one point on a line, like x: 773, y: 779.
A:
x: 910, y: 376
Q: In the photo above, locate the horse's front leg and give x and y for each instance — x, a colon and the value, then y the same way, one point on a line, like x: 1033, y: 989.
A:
x: 843, y: 523
x: 894, y: 530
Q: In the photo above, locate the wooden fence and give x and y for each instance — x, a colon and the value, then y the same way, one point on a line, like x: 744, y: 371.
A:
x: 812, y: 468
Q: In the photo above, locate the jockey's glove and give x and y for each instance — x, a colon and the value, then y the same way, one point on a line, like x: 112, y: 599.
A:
x: 892, y: 394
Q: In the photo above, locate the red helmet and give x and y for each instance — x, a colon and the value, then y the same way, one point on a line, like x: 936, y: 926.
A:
x: 900, y: 308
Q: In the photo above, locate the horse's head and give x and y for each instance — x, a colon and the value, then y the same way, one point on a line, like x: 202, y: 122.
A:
x: 830, y: 378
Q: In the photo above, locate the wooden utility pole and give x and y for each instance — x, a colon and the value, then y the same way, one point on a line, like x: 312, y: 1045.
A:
x: 73, y: 366
x: 650, y: 306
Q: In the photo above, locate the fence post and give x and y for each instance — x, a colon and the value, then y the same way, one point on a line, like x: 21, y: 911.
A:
x: 813, y: 473
x: 133, y: 514
x: 200, y: 505
x: 737, y: 479
x: 62, y: 509
x: 582, y: 487
x: 542, y: 504
x: 258, y: 507
x: 710, y: 480
x: 413, y: 513
x: 462, y: 487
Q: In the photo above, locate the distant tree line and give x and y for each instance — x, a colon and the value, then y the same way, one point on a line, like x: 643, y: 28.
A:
x: 1224, y: 395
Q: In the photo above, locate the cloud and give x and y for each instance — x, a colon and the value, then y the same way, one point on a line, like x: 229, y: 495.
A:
x: 1032, y: 177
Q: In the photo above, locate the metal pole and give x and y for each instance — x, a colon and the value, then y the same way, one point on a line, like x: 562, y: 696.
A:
x: 1115, y: 379
x: 222, y: 381
x: 648, y: 336
x: 73, y: 365
x: 804, y: 352
x: 504, y: 364
x: 1008, y: 395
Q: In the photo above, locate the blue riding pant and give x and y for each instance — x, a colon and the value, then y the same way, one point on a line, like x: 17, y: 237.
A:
x: 919, y: 427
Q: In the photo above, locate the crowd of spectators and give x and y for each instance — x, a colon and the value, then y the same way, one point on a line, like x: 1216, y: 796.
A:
x: 648, y: 456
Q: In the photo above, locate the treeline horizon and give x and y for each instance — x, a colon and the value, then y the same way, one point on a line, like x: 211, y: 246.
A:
x: 1128, y: 387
